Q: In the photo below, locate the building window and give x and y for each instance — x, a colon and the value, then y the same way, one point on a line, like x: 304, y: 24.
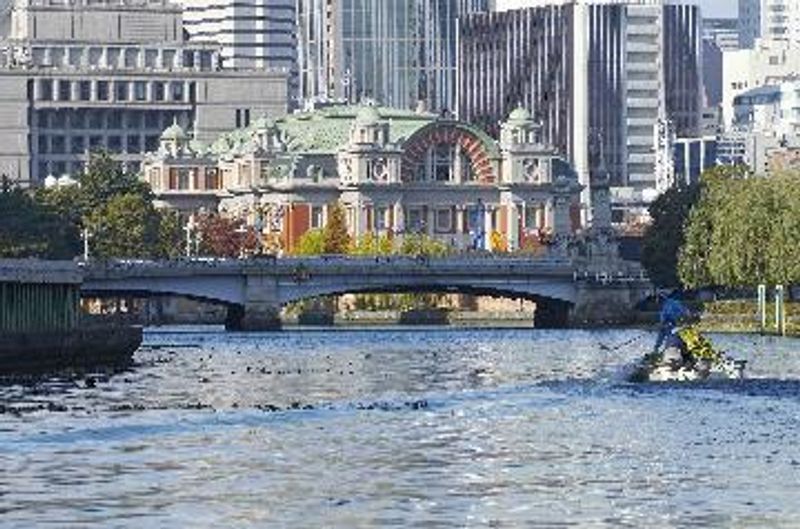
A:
x: 159, y: 93
x: 58, y: 119
x: 317, y: 218
x: 121, y: 90
x: 57, y: 145
x: 131, y: 58
x: 115, y: 119
x: 151, y: 143
x: 211, y: 178
x: 85, y: 90
x: 134, y: 145
x: 45, y: 89
x: 77, y: 119
x: 531, y: 217
x: 64, y: 89
x: 96, y: 119
x: 205, y: 60
x: 102, y: 91
x: 150, y: 58
x: 442, y: 162
x: 151, y: 120
x: 77, y: 145
x: 115, y: 144
x: 246, y: 117
x: 140, y: 90
x: 238, y: 118
x: 133, y: 119
x: 177, y: 91
x: 168, y: 57
x: 380, y: 218
x: 444, y: 220
x: 42, y: 144
x: 183, y: 178
x: 95, y: 143
x: 415, y: 220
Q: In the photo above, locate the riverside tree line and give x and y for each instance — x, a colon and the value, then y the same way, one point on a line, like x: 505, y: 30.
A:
x: 732, y: 229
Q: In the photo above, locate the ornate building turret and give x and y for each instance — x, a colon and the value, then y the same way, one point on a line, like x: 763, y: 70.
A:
x: 268, y: 135
x: 369, y: 128
x: 525, y: 159
x: 539, y: 187
x: 174, y: 140
x: 369, y: 156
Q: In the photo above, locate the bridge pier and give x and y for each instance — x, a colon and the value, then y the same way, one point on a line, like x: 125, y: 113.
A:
x: 253, y: 318
x: 605, y: 304
x: 551, y: 314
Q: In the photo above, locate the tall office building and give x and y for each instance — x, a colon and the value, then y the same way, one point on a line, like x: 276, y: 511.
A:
x: 82, y: 75
x: 252, y: 33
x: 399, y: 52
x: 768, y: 19
x: 610, y: 82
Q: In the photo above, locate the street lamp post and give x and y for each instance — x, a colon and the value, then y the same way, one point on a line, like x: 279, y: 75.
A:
x: 189, y: 229
x: 85, y: 236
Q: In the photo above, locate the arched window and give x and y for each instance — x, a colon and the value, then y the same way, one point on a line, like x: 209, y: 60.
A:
x: 443, y: 162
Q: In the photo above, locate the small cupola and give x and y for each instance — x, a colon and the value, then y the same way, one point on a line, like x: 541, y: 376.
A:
x: 520, y: 129
x: 174, y: 139
x: 369, y: 128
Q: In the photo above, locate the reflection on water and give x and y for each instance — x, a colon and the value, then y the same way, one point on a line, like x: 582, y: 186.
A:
x: 392, y: 428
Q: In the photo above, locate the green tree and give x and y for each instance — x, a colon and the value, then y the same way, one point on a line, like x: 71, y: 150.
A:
x: 170, y: 235
x: 311, y: 243
x: 423, y: 245
x: 371, y: 244
x: 336, y: 239
x: 664, y: 238
x: 31, y: 229
x: 104, y: 179
x: 126, y: 226
x: 743, y: 231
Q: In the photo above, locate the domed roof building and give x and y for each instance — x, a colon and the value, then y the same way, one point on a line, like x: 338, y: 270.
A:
x: 394, y: 171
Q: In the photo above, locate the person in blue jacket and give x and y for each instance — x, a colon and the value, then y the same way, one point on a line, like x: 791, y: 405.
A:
x: 672, y: 312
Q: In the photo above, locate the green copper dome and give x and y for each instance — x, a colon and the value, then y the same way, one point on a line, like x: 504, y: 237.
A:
x: 174, y: 132
x: 368, y: 115
x: 520, y: 115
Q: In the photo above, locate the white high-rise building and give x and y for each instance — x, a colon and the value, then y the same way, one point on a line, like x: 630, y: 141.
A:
x: 768, y: 19
x: 256, y: 34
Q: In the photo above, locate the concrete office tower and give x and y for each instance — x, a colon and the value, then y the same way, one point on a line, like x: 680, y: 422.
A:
x: 399, y: 52
x: 609, y: 81
x: 82, y: 75
x: 252, y: 33
x: 769, y: 20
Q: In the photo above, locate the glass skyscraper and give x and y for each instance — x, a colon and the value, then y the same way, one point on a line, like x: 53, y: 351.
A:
x: 399, y: 53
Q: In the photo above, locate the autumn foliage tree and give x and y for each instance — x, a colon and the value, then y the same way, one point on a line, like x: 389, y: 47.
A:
x: 336, y: 238
x: 225, y: 237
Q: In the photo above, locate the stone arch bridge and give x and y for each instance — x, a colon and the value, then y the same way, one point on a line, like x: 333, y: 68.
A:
x: 255, y: 290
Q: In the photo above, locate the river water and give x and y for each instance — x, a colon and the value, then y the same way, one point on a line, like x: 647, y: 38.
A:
x: 403, y: 428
